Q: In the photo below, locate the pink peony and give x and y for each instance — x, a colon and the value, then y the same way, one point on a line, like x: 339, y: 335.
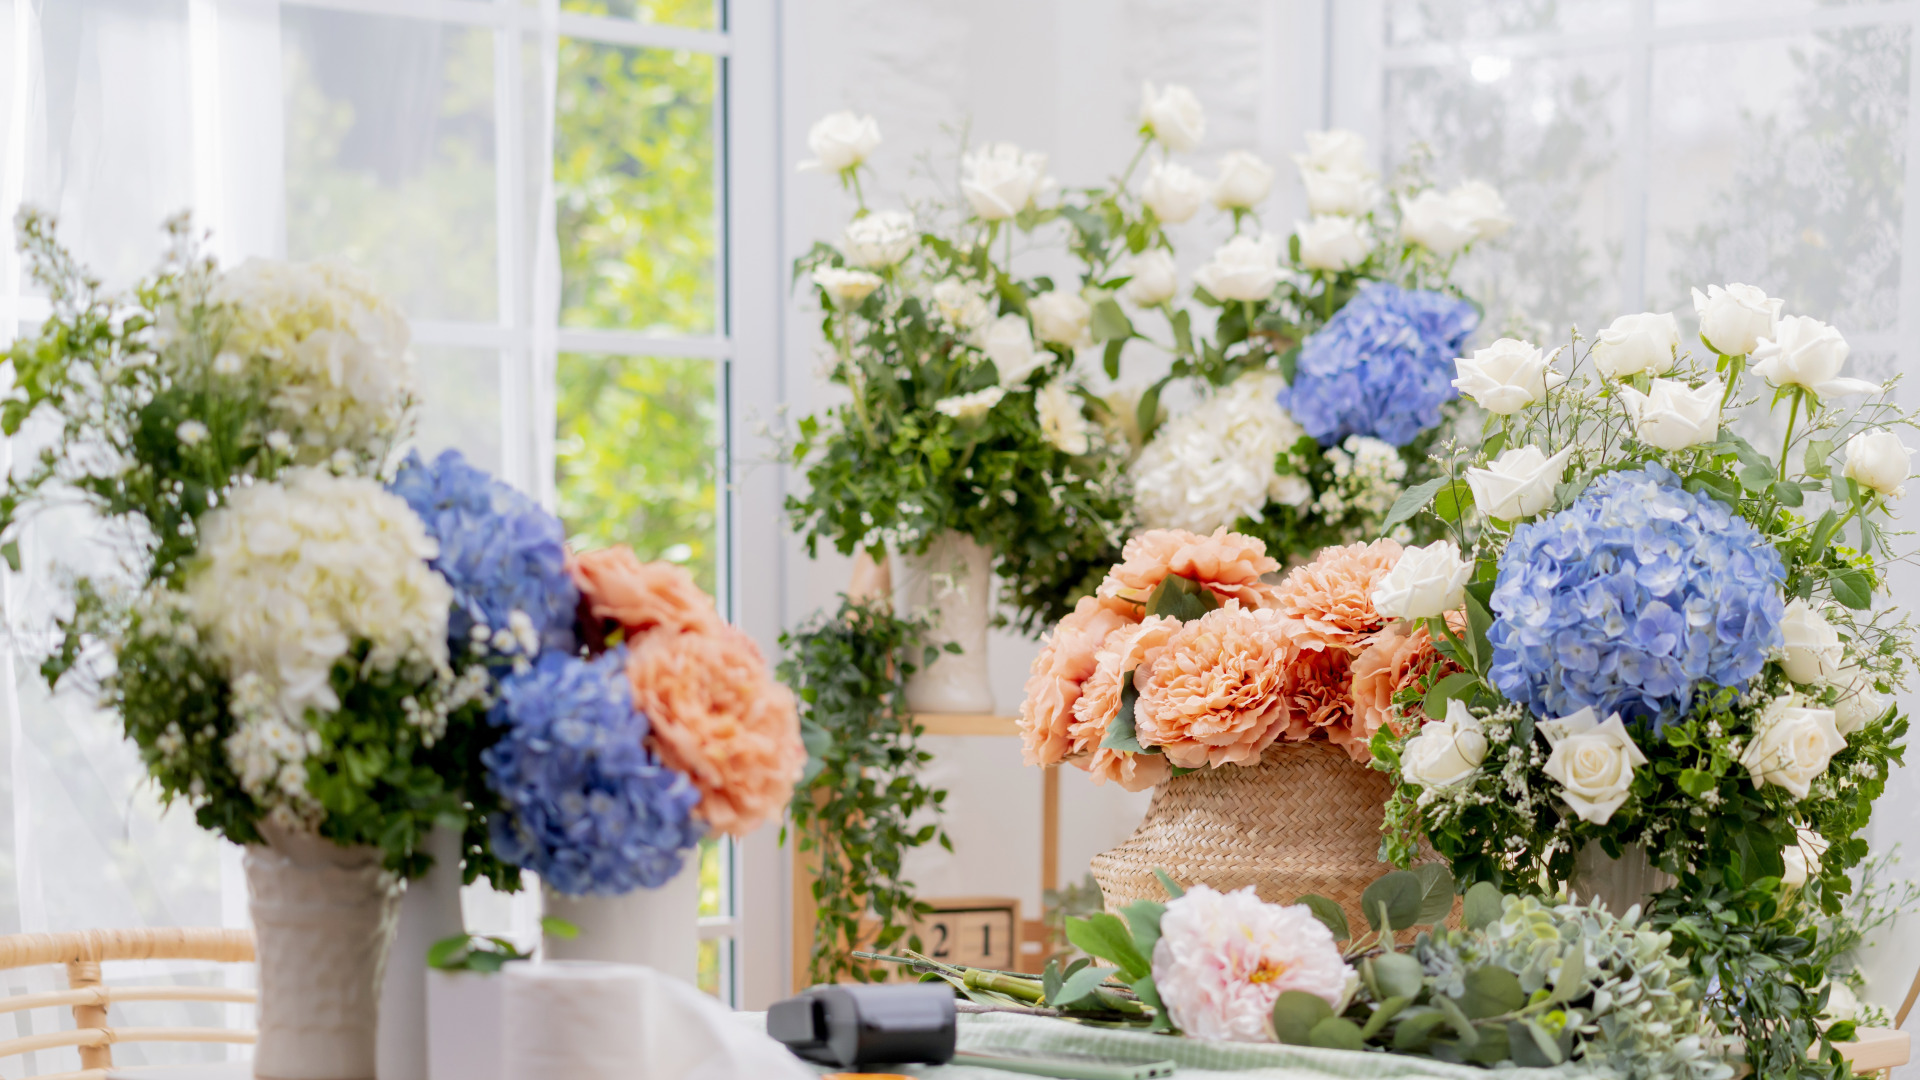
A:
x: 1329, y: 601
x: 1223, y: 959
x: 1394, y: 659
x: 719, y: 717
x: 1211, y: 694
x: 1055, y: 683
x: 1228, y: 563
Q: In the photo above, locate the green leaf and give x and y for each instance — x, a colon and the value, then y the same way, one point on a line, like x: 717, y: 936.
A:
x: 1695, y: 782
x: 1482, y: 906
x: 1143, y: 918
x: 1452, y: 500
x: 1120, y: 734
x: 1296, y: 1013
x: 1182, y: 332
x: 1106, y: 937
x: 1394, y: 974
x: 1851, y: 588
x: 1330, y: 914
x: 1147, y: 413
x: 1532, y: 1046
x: 1457, y: 1020
x: 1110, y: 323
x: 444, y: 950
x: 1149, y: 995
x: 1756, y: 478
x: 554, y: 926
x: 485, y: 962
x: 1051, y: 980
x: 1436, y: 892
x: 1110, y: 357
x: 1416, y: 1028
x: 1570, y: 981
x: 1458, y: 685
x: 1336, y: 1033
x: 1080, y: 986
x: 1174, y: 889
x: 1289, y: 363
x: 1823, y: 531
x: 1479, y: 624
x: 11, y: 552
x: 1787, y: 493
x: 1714, y: 485
x: 1411, y: 501
x: 1383, y: 1014
x: 1396, y: 897
x: 1181, y: 598
x: 1818, y: 451
x: 1491, y: 991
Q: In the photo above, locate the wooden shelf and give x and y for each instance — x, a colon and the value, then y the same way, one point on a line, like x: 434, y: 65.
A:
x: 968, y: 724
x: 1873, y: 1049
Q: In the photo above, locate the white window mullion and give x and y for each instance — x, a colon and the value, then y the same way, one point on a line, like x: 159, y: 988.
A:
x: 1634, y: 161
x: 514, y: 359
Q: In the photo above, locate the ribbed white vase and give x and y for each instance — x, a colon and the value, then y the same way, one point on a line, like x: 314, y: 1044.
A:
x: 950, y: 586
x: 656, y: 928
x: 323, y: 917
x: 1617, y: 883
x: 429, y: 912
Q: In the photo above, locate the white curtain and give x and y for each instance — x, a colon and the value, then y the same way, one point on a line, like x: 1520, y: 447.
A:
x: 417, y: 148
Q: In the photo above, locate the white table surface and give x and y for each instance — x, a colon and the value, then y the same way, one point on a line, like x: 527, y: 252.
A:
x: 222, y: 1070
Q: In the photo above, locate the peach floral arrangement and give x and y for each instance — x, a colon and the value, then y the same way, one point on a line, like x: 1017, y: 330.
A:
x: 1196, y: 652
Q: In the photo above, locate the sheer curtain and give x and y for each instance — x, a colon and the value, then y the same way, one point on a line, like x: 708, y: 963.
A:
x: 415, y: 146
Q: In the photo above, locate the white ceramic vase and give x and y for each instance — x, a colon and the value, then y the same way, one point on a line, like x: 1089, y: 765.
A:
x: 323, y: 916
x: 429, y: 912
x: 656, y: 928
x: 466, y: 1014
x: 1617, y: 883
x: 950, y: 585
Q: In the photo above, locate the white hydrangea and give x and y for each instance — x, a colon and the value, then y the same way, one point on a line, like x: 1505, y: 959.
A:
x: 1214, y: 464
x: 332, y: 350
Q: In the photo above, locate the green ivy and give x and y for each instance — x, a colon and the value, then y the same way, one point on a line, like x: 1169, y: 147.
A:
x: 857, y: 804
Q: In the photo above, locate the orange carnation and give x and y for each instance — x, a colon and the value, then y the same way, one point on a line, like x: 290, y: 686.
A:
x: 1317, y: 694
x: 1211, y: 695
x: 617, y: 588
x: 1395, y: 659
x: 1134, y: 772
x: 1119, y: 657
x: 1329, y: 601
x: 1054, y: 683
x: 1228, y: 563
x: 718, y: 717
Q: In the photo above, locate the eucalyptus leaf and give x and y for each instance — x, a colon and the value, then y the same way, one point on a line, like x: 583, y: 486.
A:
x: 1394, y: 974
x: 1482, y: 906
x: 1051, y: 980
x: 1411, y: 502
x: 1336, y: 1033
x: 1436, y: 891
x: 1456, y: 1019
x: 1330, y: 914
x: 1383, y: 1014
x: 1398, y: 895
x: 1416, y: 1027
x: 1079, y: 987
x: 1491, y: 991
x: 1296, y: 1013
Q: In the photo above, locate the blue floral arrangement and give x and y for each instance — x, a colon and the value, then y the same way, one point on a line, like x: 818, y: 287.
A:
x: 502, y: 553
x: 1381, y: 367
x: 1631, y: 597
x: 589, y: 808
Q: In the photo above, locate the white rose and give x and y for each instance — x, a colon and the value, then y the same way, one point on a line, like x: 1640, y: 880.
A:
x: 1479, y: 204
x: 1842, y: 1004
x: 1334, y: 151
x: 1814, y: 651
x: 1008, y: 342
x: 1244, y: 269
x: 1859, y: 703
x: 1174, y: 116
x: 1636, y: 343
x: 1445, y: 752
x: 1244, y: 181
x: 1791, y: 746
x: 1675, y: 416
x: 1061, y: 419
x: 1593, y: 763
x: 880, y: 240
x: 1507, y: 376
x: 1427, y: 582
x: 1734, y: 319
x: 1431, y: 220
x: 999, y: 180
x: 846, y: 288
x: 1878, y: 460
x: 970, y: 406
x: 840, y: 141
x: 1517, y: 484
x: 1063, y: 318
x: 1152, y: 278
x: 1807, y: 353
x: 1339, y: 192
x: 1332, y: 243
x: 962, y: 304
x: 1803, y: 857
x: 1173, y: 192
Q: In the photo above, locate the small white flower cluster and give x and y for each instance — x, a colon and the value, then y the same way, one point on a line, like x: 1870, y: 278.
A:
x: 1367, y: 474
x: 518, y: 640
x: 1213, y: 465
x: 333, y: 350
x: 268, y: 751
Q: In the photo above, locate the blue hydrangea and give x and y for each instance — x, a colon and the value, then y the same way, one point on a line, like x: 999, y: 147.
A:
x: 589, y: 808
x: 1630, y: 598
x: 1381, y: 367
x: 501, y: 552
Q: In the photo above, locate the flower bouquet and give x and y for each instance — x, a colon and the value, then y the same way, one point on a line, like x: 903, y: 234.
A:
x: 1670, y: 645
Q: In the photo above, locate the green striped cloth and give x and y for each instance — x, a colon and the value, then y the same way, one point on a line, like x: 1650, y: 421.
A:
x: 1198, y: 1059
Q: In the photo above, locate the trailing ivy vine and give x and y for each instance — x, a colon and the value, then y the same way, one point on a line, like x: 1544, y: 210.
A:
x: 856, y: 805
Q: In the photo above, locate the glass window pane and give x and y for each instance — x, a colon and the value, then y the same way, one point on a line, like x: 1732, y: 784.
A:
x: 634, y: 178
x: 459, y: 403
x: 694, y: 14
x: 637, y: 439
x: 710, y: 976
x: 1418, y: 22
x: 389, y: 143
x: 713, y: 877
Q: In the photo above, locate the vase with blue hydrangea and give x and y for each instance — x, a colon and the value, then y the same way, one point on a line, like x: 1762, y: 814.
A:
x: 1664, y: 588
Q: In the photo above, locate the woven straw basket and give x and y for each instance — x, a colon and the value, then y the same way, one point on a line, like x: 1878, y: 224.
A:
x: 1306, y: 819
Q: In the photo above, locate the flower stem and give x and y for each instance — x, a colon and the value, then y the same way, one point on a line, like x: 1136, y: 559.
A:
x: 1793, y: 413
x: 1145, y: 142
x: 859, y: 196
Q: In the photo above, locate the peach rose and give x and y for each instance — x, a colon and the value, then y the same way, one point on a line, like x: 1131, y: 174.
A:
x: 1054, y: 682
x: 1134, y: 772
x: 1330, y: 600
x: 617, y: 588
x: 1395, y: 659
x: 1119, y: 656
x: 720, y: 718
x: 1316, y: 696
x: 1228, y: 563
x: 1211, y: 695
